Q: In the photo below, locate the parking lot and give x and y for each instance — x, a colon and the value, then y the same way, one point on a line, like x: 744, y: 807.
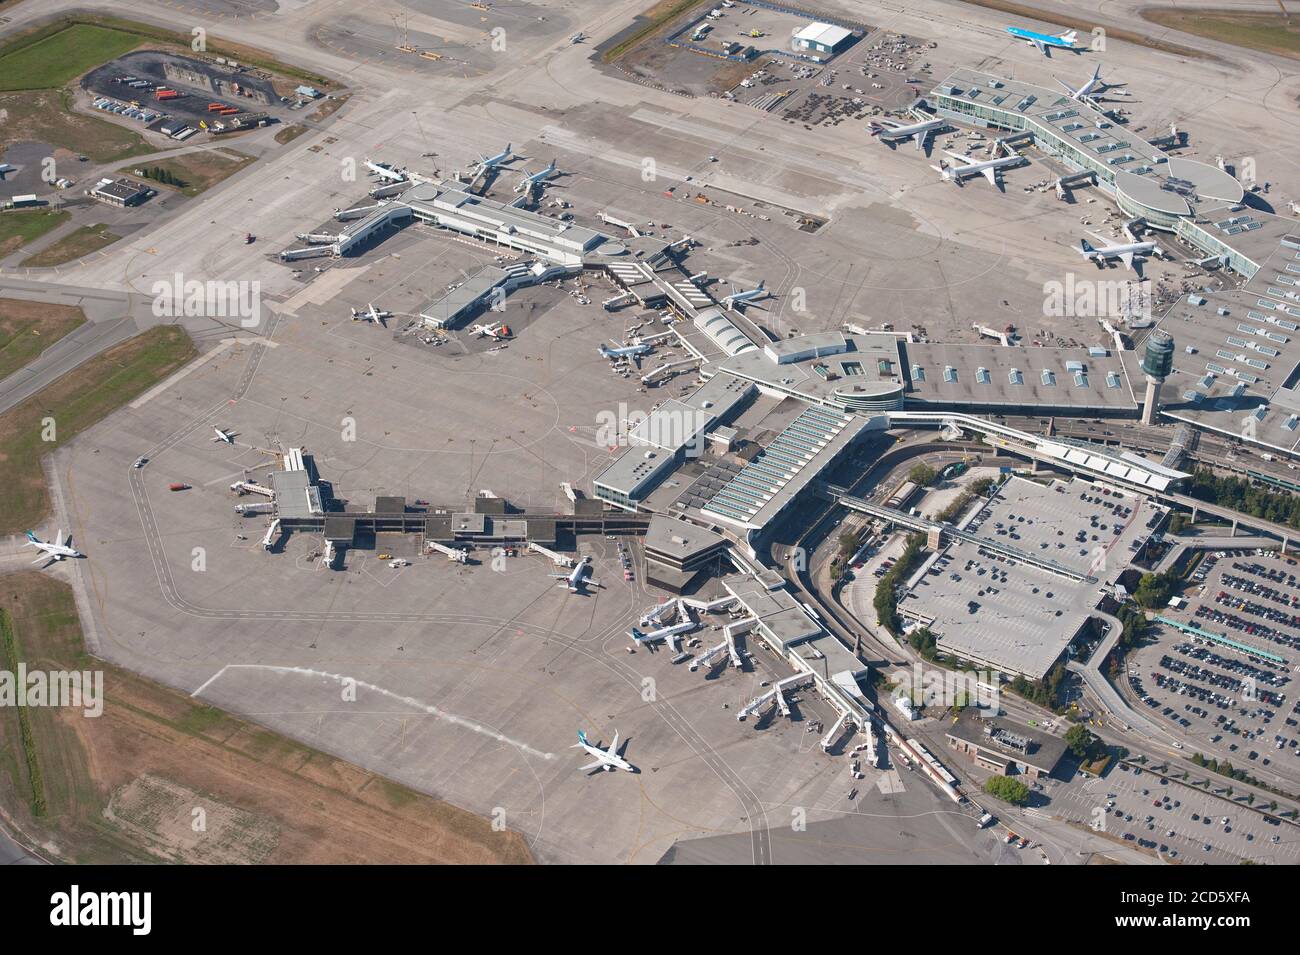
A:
x: 1225, y: 681
x: 1176, y: 821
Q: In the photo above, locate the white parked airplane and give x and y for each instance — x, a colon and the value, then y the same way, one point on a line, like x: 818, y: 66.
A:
x: 626, y: 351
x: 579, y: 578
x: 226, y: 436
x: 1092, y: 85
x: 370, y: 314
x: 741, y: 298
x: 384, y: 171
x: 491, y: 162
x: 607, y: 759
x: 669, y: 633
x: 537, y: 178
x: 1124, y: 251
x: 497, y: 331
x: 892, y: 133
x: 578, y: 37
x: 969, y: 167
x: 53, y: 550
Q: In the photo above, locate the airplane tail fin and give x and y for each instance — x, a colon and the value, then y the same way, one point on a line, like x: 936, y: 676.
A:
x: 637, y: 635
x: 875, y: 128
x: 32, y: 537
x: 582, y: 737
x: 1086, y: 245
x: 1068, y: 37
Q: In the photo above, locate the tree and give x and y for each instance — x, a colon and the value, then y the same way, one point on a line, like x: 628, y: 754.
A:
x: 1081, y: 741
x: 1154, y: 590
x: 922, y: 475
x: 1007, y: 789
x: 1177, y: 523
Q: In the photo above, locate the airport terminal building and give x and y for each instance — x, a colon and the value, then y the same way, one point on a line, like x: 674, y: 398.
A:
x: 1168, y: 192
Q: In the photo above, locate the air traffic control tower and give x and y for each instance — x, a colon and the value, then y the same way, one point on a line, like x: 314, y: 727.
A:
x: 1157, y: 363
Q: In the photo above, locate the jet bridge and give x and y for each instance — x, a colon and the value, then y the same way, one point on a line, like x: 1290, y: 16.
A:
x: 356, y: 212
x: 608, y: 219
x: 777, y: 694
x: 618, y: 301
x: 655, y: 616
x: 308, y: 252
x: 272, y: 535
x: 722, y: 603
x: 834, y: 733
x: 708, y: 656
x: 731, y: 631
x: 558, y: 559
x: 456, y: 554
x: 390, y: 189
x: 248, y: 487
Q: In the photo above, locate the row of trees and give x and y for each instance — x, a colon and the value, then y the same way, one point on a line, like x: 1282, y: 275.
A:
x: 1241, y: 495
x: 1045, y: 692
x: 165, y: 176
x: 886, y: 600
x: 954, y: 510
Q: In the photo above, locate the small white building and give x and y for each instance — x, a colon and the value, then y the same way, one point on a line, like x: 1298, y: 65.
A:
x: 821, y: 40
x: 903, y: 703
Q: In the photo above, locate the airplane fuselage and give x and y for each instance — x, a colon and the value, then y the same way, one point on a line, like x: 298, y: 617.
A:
x: 1044, y: 41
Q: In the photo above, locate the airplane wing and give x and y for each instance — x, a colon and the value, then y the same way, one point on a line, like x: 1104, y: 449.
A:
x: 598, y: 764
x: 613, y: 746
x: 920, y: 137
x: 1042, y: 48
x: 991, y: 174
x: 1127, y: 259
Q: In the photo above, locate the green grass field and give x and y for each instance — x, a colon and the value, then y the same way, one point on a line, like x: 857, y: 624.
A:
x: 20, y: 226
x: 1266, y: 32
x: 79, y: 242
x: 56, y: 59
x: 28, y: 328
x: 75, y: 402
x: 46, y: 116
x: 197, y: 172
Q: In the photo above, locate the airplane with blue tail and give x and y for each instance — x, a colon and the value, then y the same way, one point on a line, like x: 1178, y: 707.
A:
x: 1045, y: 42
